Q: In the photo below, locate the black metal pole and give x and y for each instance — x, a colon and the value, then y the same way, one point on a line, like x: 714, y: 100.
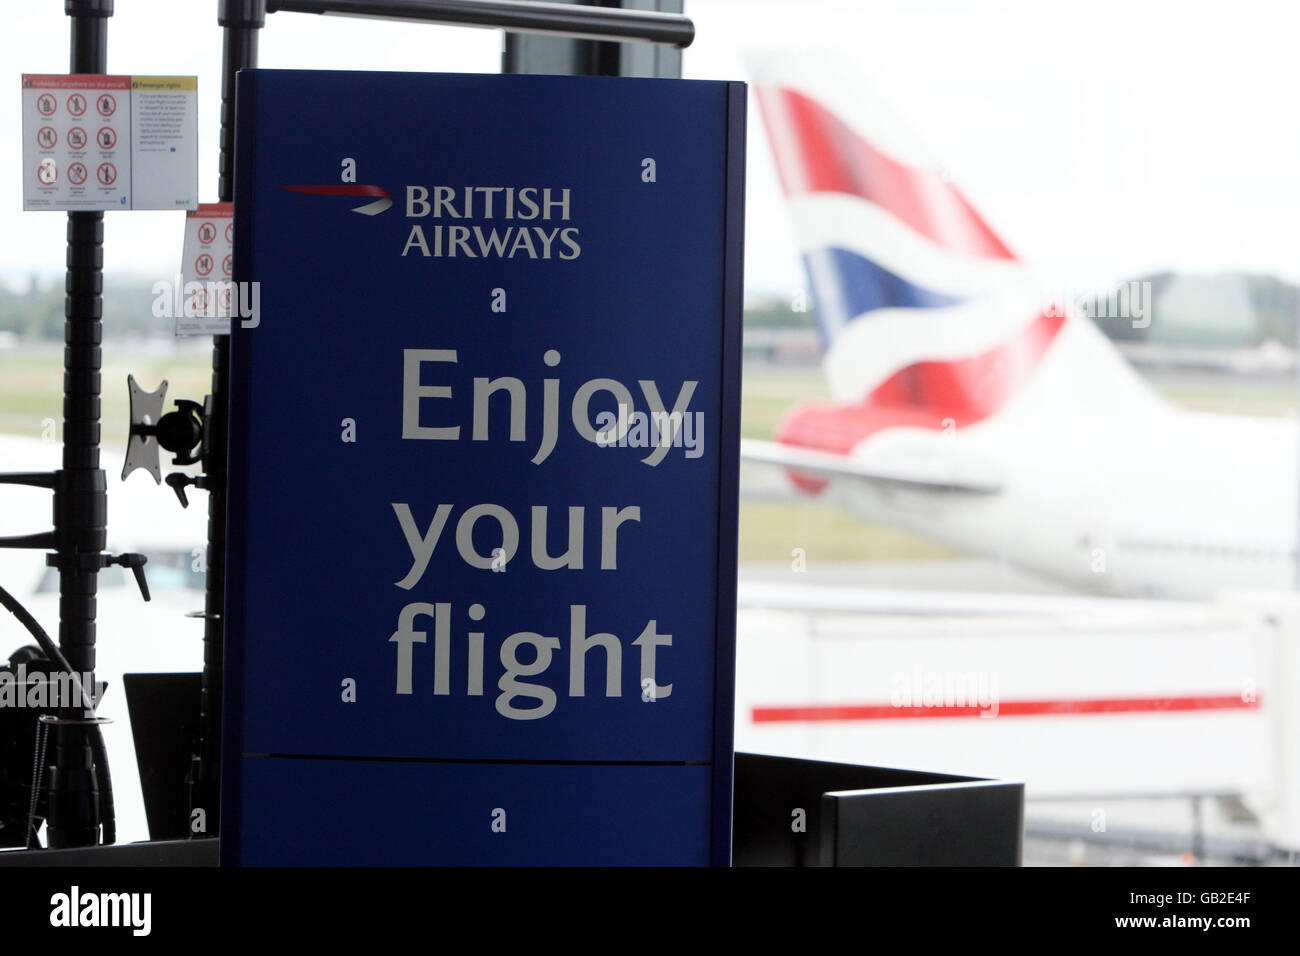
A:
x: 240, y: 21
x: 81, y: 500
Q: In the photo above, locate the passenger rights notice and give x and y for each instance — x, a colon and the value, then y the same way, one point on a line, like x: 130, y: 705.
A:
x: 94, y: 142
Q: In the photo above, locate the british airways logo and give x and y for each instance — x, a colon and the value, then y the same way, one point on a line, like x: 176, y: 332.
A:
x: 373, y: 208
x: 470, y: 222
x: 484, y: 222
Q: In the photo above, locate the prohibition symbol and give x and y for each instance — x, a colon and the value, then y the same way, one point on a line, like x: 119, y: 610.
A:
x: 47, y: 173
x: 198, y: 302
x: 46, y: 104
x: 76, y: 174
x: 76, y: 104
x: 106, y: 105
x: 76, y: 138
x: 203, y: 264
x: 107, y: 174
x: 226, y: 264
x: 106, y: 137
x: 46, y: 137
x: 230, y: 232
x: 223, y: 302
x: 207, y: 232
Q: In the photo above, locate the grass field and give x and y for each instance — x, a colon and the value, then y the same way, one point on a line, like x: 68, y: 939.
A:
x: 1266, y: 400
x: 31, y: 385
x: 770, y: 531
x: 770, y: 391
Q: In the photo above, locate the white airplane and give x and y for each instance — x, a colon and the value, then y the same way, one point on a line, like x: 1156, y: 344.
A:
x: 970, y: 410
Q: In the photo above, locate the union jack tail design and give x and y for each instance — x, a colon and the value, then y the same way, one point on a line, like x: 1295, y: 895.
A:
x: 928, y: 317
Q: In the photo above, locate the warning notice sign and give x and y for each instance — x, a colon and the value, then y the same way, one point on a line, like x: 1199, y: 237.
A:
x: 206, y: 287
x: 93, y: 142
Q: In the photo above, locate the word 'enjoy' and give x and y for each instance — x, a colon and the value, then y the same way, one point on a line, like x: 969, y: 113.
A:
x: 612, y: 431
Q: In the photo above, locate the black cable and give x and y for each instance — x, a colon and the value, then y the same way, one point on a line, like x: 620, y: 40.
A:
x: 98, y: 751
x: 108, y: 817
x: 48, y: 646
x: 38, y: 766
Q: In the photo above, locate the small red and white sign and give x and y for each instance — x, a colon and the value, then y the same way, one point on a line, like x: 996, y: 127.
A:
x: 46, y: 104
x: 77, y: 104
x: 106, y: 138
x: 76, y: 138
x: 106, y: 103
x: 208, y: 231
x: 106, y: 174
x: 46, y: 137
x: 77, y: 174
x: 47, y: 173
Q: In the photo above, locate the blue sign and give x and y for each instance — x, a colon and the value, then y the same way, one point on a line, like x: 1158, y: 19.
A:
x: 483, y: 471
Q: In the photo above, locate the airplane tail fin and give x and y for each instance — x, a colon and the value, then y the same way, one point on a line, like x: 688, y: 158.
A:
x: 923, y: 308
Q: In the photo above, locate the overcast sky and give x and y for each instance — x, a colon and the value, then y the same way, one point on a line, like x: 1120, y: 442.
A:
x: 1101, y: 139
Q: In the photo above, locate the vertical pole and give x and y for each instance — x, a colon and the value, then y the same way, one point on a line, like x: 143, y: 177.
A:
x: 81, y: 497
x: 526, y: 53
x: 561, y: 55
x: 1198, y: 830
x: 240, y: 21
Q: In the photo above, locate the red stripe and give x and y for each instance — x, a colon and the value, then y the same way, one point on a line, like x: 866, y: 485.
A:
x: 969, y: 390
x: 929, y: 394
x: 831, y: 157
x: 340, y: 190
x: 815, y: 713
